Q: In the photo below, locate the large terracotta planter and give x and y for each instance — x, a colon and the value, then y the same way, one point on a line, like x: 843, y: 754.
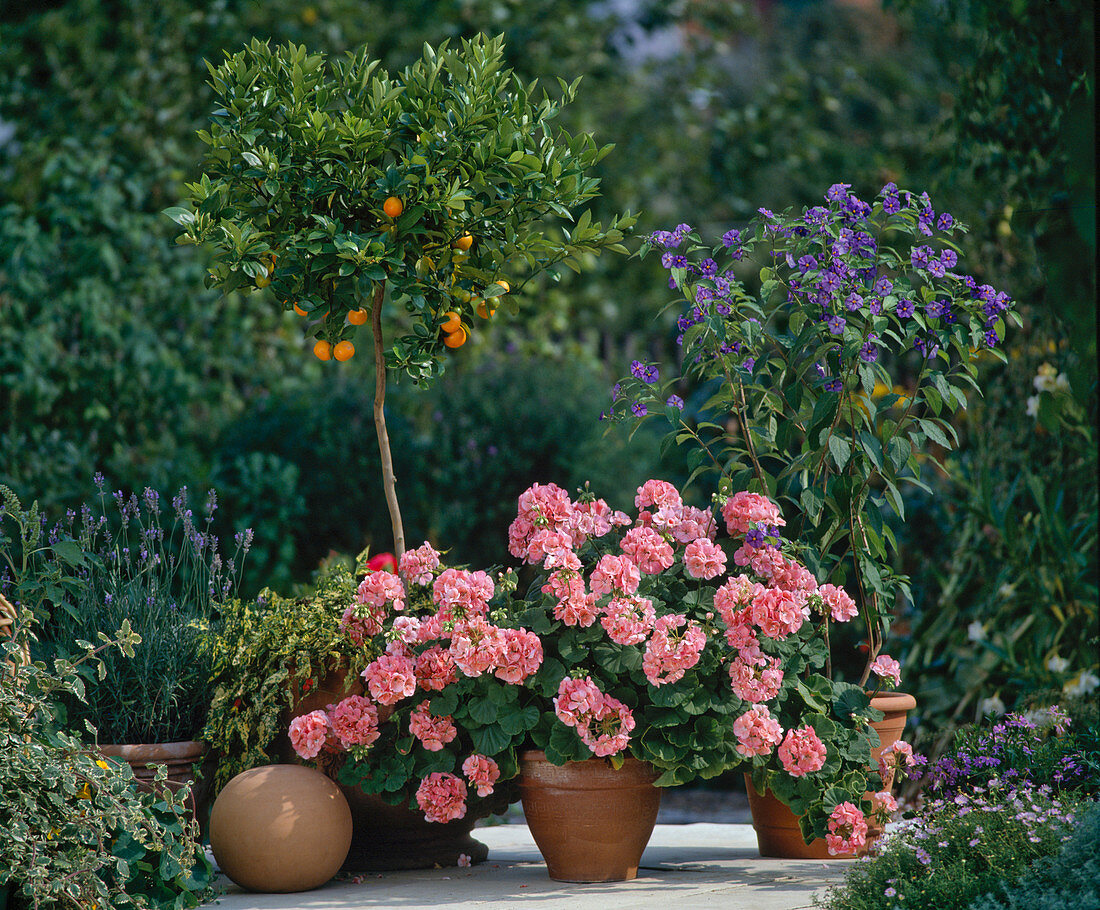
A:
x: 777, y: 831
x: 385, y: 838
x: 590, y: 821
x: 181, y: 759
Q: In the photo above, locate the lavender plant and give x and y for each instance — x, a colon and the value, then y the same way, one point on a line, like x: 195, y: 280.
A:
x: 167, y: 583
x: 828, y: 390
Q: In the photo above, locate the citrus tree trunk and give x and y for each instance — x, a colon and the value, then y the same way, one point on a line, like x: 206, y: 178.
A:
x: 389, y: 481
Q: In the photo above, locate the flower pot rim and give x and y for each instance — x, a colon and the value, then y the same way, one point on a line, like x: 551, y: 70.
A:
x: 894, y: 701
x: 179, y: 749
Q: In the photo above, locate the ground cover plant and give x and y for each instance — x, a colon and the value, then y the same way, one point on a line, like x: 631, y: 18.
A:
x: 1011, y: 801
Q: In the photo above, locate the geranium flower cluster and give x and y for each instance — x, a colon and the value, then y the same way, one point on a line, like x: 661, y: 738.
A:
x: 602, y: 722
x: 351, y: 722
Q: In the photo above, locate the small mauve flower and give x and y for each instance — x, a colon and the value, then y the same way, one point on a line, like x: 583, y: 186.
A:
x: 675, y: 401
x: 639, y: 409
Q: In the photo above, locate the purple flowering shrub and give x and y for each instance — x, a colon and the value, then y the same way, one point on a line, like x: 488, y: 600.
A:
x: 829, y: 389
x: 1046, y: 747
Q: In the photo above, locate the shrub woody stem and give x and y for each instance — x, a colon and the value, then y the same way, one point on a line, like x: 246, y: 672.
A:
x: 389, y: 481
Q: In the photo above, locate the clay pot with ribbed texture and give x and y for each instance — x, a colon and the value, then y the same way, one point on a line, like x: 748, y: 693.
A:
x: 591, y: 821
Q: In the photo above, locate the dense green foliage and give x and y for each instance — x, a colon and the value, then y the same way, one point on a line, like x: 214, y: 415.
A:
x: 266, y: 654
x: 74, y: 831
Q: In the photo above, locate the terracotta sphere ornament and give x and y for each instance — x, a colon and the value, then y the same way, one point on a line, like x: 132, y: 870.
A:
x: 280, y: 828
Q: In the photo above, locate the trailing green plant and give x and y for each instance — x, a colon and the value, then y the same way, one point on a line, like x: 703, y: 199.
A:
x: 74, y: 830
x: 1070, y: 879
x: 431, y: 188
x: 166, y: 583
x: 852, y: 295
x: 265, y: 655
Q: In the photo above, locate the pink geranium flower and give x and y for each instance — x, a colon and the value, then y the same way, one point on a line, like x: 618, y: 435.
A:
x: 887, y: 668
x: 476, y: 646
x: 704, y: 559
x: 802, y: 752
x: 616, y: 574
x: 670, y: 653
x: 309, y: 733
x: 841, y: 606
x: 659, y: 493
x: 435, y: 669
x: 628, y: 619
x: 576, y: 700
x: 757, y: 680
x: 354, y: 721
x: 377, y: 589
x: 743, y: 509
x: 461, y: 594
x: 433, y: 732
x: 481, y: 772
x: 390, y: 678
x: 757, y: 732
x: 777, y: 612
x: 847, y: 829
x: 607, y: 731
x: 418, y: 566
x: 648, y: 549
x: 520, y: 656
x: 441, y: 797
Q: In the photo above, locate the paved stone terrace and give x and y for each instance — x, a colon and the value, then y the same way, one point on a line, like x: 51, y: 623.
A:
x: 685, y: 866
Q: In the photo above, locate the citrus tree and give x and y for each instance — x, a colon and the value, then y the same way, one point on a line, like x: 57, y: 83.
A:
x: 345, y: 189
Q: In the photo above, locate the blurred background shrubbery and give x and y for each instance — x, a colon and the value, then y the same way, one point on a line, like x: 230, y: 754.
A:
x: 114, y: 357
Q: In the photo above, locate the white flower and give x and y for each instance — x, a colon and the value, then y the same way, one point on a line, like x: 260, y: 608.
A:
x: 992, y: 706
x: 1057, y: 664
x: 1061, y: 383
x: 1032, y: 405
x: 1006, y: 590
x: 1085, y: 682
x: 975, y: 631
x: 1044, y: 380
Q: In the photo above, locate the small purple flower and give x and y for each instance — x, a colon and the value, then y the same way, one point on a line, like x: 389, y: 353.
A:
x: 891, y: 204
x: 708, y: 267
x: 919, y: 256
x: 675, y: 401
x: 749, y: 364
x: 666, y: 259
x: 639, y: 409
x: 936, y: 268
x: 829, y: 282
x: 679, y: 261
x: 755, y: 538
x: 991, y: 338
x: 905, y: 308
x: 875, y: 305
x: 883, y: 286
x: 807, y: 263
x: 834, y: 385
x: 838, y: 192
x: 615, y: 390
x: 732, y: 237
x: 820, y: 370
x: 949, y: 258
x: 836, y: 324
x: 934, y: 309
x: 853, y: 302
x: 945, y: 222
x: 868, y: 353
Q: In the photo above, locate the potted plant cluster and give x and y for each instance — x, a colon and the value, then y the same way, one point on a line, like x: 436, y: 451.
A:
x: 166, y: 581
x: 634, y: 646
x: 827, y: 389
x: 74, y: 829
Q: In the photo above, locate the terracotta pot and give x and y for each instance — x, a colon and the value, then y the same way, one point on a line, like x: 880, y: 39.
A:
x: 387, y: 838
x: 181, y: 758
x: 591, y: 822
x: 777, y: 831
x: 280, y: 828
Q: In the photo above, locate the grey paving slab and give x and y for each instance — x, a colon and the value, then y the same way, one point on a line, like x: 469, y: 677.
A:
x: 684, y: 867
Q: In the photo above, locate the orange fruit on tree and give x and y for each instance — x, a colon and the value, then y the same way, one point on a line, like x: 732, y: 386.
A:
x: 455, y: 339
x: 483, y: 309
x: 504, y: 284
x: 323, y: 350
x: 453, y: 323
x: 393, y: 207
x: 464, y: 242
x: 357, y: 317
x: 300, y: 311
x: 345, y: 350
